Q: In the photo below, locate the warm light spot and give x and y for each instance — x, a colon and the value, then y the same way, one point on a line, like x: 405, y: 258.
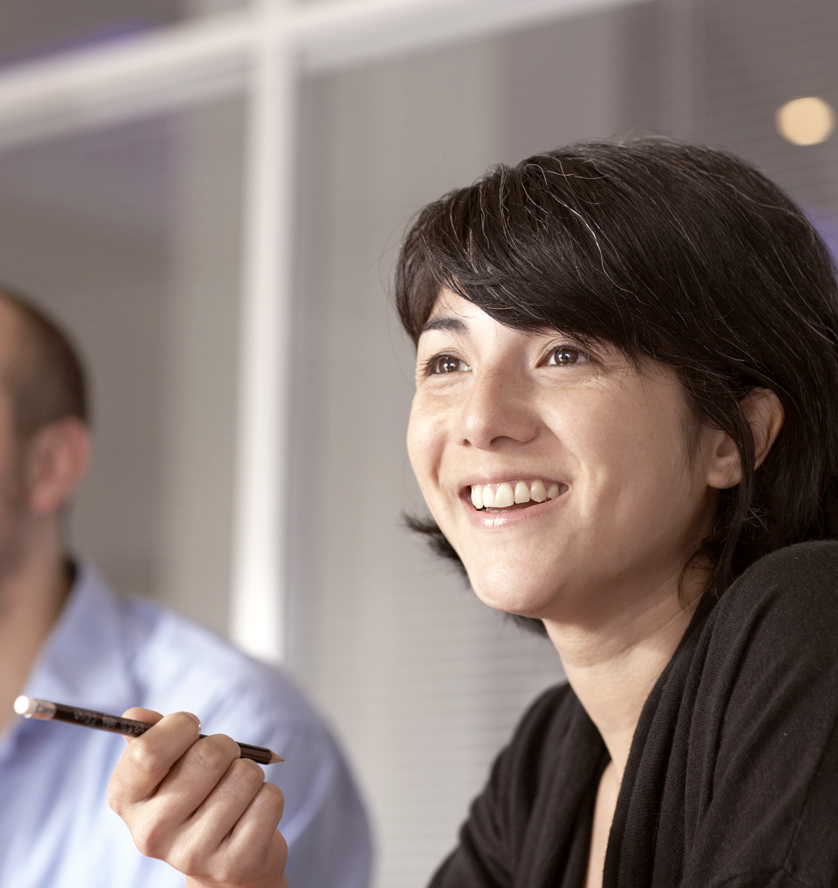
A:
x: 806, y: 121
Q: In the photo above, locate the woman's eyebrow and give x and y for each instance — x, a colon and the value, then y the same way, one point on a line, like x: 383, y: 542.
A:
x: 445, y: 322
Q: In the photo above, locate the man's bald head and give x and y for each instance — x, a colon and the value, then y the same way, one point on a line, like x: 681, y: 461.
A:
x: 41, y: 372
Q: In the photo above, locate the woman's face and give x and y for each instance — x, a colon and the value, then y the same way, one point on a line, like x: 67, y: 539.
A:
x: 502, y: 419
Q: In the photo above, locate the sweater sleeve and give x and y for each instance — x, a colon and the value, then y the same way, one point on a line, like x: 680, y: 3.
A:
x: 763, y: 767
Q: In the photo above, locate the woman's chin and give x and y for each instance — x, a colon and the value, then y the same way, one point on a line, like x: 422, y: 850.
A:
x: 511, y: 601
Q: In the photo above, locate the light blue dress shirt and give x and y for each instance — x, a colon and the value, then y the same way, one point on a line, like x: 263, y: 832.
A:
x: 56, y: 830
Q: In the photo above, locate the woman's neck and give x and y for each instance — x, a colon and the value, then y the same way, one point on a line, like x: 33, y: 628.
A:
x: 612, y: 665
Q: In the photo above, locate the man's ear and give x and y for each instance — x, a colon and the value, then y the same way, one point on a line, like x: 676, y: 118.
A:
x: 764, y: 412
x: 57, y: 458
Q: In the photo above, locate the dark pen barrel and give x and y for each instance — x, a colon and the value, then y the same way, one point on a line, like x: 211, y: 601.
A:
x: 30, y: 707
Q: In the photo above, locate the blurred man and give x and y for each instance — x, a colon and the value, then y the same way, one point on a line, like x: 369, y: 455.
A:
x: 65, y: 637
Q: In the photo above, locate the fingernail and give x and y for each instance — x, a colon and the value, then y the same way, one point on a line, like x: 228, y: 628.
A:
x: 194, y: 719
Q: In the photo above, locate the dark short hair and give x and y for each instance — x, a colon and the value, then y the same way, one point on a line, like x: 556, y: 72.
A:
x: 674, y: 252
x: 45, y: 377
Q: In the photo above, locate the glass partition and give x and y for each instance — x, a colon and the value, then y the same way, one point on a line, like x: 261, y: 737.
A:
x: 131, y: 236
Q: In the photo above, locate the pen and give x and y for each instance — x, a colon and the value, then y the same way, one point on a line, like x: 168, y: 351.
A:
x: 30, y: 707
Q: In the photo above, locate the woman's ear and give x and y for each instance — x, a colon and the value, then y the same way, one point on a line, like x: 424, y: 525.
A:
x: 765, y: 414
x: 57, y: 459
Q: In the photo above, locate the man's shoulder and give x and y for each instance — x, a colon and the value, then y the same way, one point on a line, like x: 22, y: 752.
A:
x: 184, y: 661
x: 173, y: 663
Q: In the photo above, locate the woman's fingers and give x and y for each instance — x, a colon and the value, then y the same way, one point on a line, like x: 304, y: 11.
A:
x: 169, y: 780
x: 256, y: 832
x: 197, y: 805
x: 196, y: 775
x: 225, y: 803
x: 252, y: 853
x: 149, y: 758
x: 257, y: 827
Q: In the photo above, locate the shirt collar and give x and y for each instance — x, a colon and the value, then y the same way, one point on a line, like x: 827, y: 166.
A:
x: 83, y: 661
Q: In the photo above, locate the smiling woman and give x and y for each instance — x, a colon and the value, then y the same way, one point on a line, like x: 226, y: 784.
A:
x: 638, y: 328
x: 625, y: 430
x: 499, y: 409
x: 673, y: 253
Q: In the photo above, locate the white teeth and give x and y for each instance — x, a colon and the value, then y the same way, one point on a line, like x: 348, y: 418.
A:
x: 508, y: 493
x: 477, y: 496
x: 522, y: 492
x: 504, y: 497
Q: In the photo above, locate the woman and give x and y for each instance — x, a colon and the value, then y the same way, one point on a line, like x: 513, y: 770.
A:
x: 625, y: 428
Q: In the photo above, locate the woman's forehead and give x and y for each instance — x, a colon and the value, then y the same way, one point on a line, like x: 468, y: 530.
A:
x: 447, y: 302
x: 454, y: 313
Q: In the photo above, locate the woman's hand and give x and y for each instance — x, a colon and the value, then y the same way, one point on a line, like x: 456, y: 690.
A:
x: 198, y: 806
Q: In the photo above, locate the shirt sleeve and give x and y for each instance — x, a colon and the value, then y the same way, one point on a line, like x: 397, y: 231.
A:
x: 326, y: 828
x: 324, y: 821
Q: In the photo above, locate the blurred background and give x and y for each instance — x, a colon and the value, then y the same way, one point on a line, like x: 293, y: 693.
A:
x: 210, y: 196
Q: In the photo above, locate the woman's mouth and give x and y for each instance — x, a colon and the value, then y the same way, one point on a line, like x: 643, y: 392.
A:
x: 514, y: 494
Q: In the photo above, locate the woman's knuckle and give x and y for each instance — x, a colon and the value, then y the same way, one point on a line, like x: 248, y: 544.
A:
x: 271, y: 802
x: 116, y: 801
x: 273, y: 795
x: 212, y: 753
x: 247, y: 774
x: 283, y: 844
x: 146, y: 759
x: 149, y: 837
x: 281, y: 848
x: 217, y: 751
x: 190, y: 858
x: 228, y: 867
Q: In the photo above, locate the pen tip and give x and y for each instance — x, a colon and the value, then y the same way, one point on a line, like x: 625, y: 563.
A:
x: 275, y: 758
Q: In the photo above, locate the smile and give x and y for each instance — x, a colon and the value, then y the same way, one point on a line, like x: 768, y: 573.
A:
x: 509, y: 494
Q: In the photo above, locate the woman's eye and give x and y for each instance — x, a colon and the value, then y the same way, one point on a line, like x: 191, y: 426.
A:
x: 565, y: 354
x: 444, y: 364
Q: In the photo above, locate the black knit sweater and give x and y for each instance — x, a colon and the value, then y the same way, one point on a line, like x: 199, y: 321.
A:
x: 732, y: 779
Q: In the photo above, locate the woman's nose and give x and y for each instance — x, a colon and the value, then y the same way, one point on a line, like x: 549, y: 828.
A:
x: 496, y: 409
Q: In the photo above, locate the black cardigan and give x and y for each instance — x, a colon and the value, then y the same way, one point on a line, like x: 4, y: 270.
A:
x: 732, y: 779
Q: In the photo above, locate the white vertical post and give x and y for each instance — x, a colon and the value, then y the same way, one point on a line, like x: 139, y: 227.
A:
x: 258, y: 559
